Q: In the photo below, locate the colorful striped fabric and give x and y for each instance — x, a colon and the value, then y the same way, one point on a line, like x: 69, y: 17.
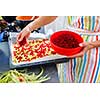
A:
x: 87, y: 68
x: 90, y: 23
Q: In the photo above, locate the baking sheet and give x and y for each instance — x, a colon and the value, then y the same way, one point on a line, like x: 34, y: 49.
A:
x: 47, y: 59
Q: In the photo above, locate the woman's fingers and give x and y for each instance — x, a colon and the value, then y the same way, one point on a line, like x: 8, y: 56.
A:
x: 83, y: 44
x: 21, y: 37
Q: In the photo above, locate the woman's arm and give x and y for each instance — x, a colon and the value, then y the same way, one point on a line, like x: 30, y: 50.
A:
x: 41, y: 21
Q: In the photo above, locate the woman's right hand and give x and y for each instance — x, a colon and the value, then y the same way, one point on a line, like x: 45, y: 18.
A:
x: 24, y: 34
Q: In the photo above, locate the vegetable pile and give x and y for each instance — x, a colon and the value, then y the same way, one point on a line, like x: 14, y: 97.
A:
x: 34, y: 49
x: 14, y: 76
x: 66, y: 41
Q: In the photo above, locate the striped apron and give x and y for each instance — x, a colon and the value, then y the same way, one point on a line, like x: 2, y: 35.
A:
x: 84, y: 69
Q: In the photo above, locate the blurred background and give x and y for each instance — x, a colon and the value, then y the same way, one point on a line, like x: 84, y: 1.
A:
x: 15, y: 24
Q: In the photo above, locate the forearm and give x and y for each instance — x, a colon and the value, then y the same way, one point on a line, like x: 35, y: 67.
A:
x: 41, y: 21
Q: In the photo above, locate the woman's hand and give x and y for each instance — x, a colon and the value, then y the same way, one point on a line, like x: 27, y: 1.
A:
x: 86, y: 46
x: 24, y: 34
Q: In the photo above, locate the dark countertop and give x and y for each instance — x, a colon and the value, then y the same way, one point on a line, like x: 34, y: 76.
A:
x: 50, y: 69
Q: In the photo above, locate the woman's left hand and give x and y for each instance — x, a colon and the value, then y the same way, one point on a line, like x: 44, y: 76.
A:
x: 86, y: 46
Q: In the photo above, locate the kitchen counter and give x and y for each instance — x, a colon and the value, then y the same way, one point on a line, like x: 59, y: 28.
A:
x: 50, y: 69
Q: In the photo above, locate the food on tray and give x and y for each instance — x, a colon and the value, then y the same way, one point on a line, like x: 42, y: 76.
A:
x: 34, y: 49
x: 14, y: 76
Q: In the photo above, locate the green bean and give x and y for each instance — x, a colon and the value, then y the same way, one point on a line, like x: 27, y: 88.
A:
x: 42, y: 80
x: 14, y: 76
x: 40, y: 73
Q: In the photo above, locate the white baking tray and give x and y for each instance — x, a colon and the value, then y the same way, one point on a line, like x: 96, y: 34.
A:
x: 44, y: 60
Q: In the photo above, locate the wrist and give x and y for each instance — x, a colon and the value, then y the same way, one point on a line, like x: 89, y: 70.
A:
x: 29, y: 28
x: 34, y: 25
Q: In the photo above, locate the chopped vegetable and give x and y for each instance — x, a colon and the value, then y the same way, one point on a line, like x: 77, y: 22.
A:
x: 14, y: 76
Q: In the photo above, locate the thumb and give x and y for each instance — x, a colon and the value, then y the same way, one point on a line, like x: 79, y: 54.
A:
x: 83, y: 44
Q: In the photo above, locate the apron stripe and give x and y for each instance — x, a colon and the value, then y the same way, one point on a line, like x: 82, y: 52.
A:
x: 74, y: 66
x: 87, y: 65
x: 98, y: 79
x: 84, y: 61
x: 77, y: 64
x: 91, y: 66
x: 95, y: 63
x: 85, y: 22
x: 97, y: 70
x: 67, y: 73
x: 79, y: 24
x: 88, y: 62
x: 65, y: 70
x: 69, y: 20
x: 71, y: 71
x: 93, y: 22
x: 96, y: 25
x: 78, y: 67
x: 89, y: 23
x: 82, y: 23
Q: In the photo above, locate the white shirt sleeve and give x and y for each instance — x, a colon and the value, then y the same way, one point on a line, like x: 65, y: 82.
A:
x: 59, y: 24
